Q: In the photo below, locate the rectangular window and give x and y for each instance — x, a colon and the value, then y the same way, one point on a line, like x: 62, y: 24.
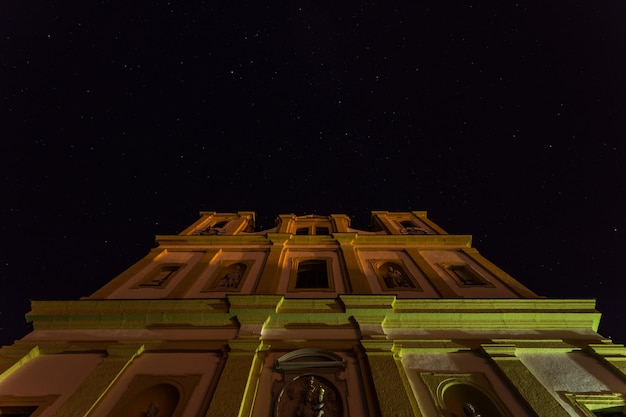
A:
x: 465, y: 275
x: 322, y: 231
x: 18, y: 411
x: 302, y: 231
x: 311, y: 274
x: 18, y: 406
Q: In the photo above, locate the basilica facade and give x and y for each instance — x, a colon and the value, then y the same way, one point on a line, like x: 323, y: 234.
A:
x: 313, y: 318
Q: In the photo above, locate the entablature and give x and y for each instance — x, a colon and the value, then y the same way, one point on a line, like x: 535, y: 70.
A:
x: 373, y: 314
x: 356, y: 239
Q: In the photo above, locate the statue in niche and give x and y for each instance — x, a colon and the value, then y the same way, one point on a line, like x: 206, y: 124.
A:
x: 309, y: 396
x: 232, y: 277
x: 469, y: 410
x: 312, y: 402
x: 152, y: 411
x: 395, y: 278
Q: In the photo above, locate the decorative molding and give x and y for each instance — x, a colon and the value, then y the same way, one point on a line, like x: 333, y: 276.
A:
x: 588, y: 404
x: 458, y: 393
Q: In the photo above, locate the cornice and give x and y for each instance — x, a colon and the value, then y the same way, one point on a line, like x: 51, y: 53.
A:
x: 442, y: 240
x: 379, y: 314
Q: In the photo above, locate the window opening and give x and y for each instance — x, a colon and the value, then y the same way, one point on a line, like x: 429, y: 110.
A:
x: 466, y: 275
x: 161, y: 278
x: 18, y: 411
x: 607, y: 413
x: 312, y: 274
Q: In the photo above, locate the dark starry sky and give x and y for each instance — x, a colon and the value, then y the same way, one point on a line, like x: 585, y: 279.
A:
x: 122, y: 120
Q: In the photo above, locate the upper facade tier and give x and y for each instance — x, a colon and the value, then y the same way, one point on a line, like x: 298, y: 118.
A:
x: 404, y: 254
x: 243, y: 222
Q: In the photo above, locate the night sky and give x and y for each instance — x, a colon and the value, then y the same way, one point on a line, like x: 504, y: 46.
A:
x: 122, y: 120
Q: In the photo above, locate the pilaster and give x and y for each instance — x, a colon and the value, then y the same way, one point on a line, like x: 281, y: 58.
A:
x: 192, y: 276
x: 341, y: 221
x: 392, y: 388
x: 422, y: 215
x: 14, y: 356
x: 537, y: 396
x: 433, y: 277
x: 235, y: 391
x: 270, y: 277
x: 382, y: 217
x: 285, y: 222
x: 613, y: 355
x: 245, y: 219
x: 83, y: 400
x: 204, y: 217
x: 356, y: 277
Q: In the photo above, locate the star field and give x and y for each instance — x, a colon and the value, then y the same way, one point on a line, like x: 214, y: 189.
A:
x: 121, y: 121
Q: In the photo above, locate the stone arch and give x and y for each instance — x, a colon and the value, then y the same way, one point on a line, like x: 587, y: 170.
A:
x: 309, y: 358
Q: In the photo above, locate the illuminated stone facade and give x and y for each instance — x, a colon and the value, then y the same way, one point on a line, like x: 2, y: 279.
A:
x: 313, y: 319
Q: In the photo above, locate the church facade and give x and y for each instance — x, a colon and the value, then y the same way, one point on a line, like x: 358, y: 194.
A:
x: 313, y: 318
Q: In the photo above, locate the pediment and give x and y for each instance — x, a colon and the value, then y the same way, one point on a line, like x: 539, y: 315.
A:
x: 309, y: 358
